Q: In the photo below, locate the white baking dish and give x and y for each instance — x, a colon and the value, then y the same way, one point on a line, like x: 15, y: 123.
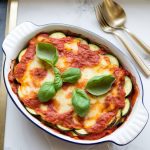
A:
x: 17, y: 40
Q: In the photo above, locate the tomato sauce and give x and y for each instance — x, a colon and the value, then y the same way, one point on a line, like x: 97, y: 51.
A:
x: 32, y: 102
x: 38, y: 73
x: 83, y: 58
x: 133, y: 96
x: 20, y: 68
x: 95, y: 136
x: 119, y: 100
x: 102, y: 122
x: 65, y: 119
x: 13, y: 83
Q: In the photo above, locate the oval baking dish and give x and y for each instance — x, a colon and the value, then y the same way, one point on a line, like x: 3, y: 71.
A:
x: 136, y: 120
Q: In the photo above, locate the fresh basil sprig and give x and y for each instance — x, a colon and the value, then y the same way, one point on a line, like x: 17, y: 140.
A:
x: 58, y: 80
x: 71, y: 75
x: 47, y: 52
x: 46, y: 92
x: 80, y: 102
x: 99, y: 85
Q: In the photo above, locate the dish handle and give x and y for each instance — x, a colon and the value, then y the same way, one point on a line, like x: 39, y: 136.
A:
x: 21, y: 33
x: 132, y: 128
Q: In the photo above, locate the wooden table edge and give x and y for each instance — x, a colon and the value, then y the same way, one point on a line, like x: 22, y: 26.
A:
x: 11, y: 20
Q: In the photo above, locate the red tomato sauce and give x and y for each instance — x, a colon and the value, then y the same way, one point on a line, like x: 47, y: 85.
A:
x: 38, y: 73
x: 13, y: 83
x: 102, y: 123
x: 31, y: 103
x: 95, y: 136
x: 65, y: 119
x: 133, y: 96
x: 20, y: 68
x: 83, y: 58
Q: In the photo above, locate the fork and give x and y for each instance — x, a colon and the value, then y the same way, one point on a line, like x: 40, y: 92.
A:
x: 106, y: 28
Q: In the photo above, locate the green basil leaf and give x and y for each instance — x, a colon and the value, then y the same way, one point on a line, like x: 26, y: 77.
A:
x: 46, y: 92
x: 100, y: 85
x: 58, y: 80
x: 47, y: 52
x: 71, y: 75
x: 80, y: 102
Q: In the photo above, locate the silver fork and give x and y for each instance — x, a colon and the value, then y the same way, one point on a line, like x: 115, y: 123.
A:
x: 106, y: 28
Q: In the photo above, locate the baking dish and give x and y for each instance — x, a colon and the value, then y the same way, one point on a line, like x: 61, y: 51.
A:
x: 18, y: 38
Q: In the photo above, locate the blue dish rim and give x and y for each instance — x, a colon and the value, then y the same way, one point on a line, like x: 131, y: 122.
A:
x: 90, y: 32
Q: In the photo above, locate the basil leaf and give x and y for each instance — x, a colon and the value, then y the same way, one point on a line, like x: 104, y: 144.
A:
x: 46, y: 92
x: 100, y: 85
x: 80, y: 102
x: 71, y: 75
x: 58, y: 80
x: 47, y: 52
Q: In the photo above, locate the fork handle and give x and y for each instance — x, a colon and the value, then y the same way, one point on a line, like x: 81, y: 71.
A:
x: 137, y: 40
x: 140, y: 62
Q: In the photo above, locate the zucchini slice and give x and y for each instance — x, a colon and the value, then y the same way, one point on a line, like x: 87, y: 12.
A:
x: 21, y: 54
x: 48, y: 124
x: 122, y: 121
x: 112, y: 122
x: 73, y: 133
x: 127, y: 86
x: 82, y: 41
x: 60, y: 127
x: 81, y: 132
x: 57, y: 35
x: 118, y: 117
x: 43, y: 107
x: 126, y: 108
x: 31, y: 111
x: 113, y: 60
x: 19, y: 91
x: 93, y: 47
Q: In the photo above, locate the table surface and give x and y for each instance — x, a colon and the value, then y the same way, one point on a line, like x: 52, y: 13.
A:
x: 20, y: 134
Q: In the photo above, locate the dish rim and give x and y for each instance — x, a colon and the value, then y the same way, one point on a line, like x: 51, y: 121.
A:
x: 91, y: 33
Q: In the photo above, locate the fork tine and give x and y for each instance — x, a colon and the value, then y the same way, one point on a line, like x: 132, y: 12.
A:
x: 101, y: 19
x: 103, y: 22
x: 98, y: 14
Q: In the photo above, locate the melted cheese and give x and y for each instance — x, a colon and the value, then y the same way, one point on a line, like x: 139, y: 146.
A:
x: 103, y: 68
x: 72, y: 46
x: 96, y: 109
x: 62, y: 64
x: 29, y: 86
x: 43, y: 107
x: 62, y: 100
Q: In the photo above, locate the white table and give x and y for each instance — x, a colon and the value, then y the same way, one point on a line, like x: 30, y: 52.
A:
x: 23, y: 135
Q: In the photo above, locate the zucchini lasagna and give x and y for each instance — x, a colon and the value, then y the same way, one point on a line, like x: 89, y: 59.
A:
x: 74, y: 86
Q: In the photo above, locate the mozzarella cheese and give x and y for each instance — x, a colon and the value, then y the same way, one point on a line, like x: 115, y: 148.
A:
x: 29, y: 86
x: 72, y: 46
x: 62, y: 100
